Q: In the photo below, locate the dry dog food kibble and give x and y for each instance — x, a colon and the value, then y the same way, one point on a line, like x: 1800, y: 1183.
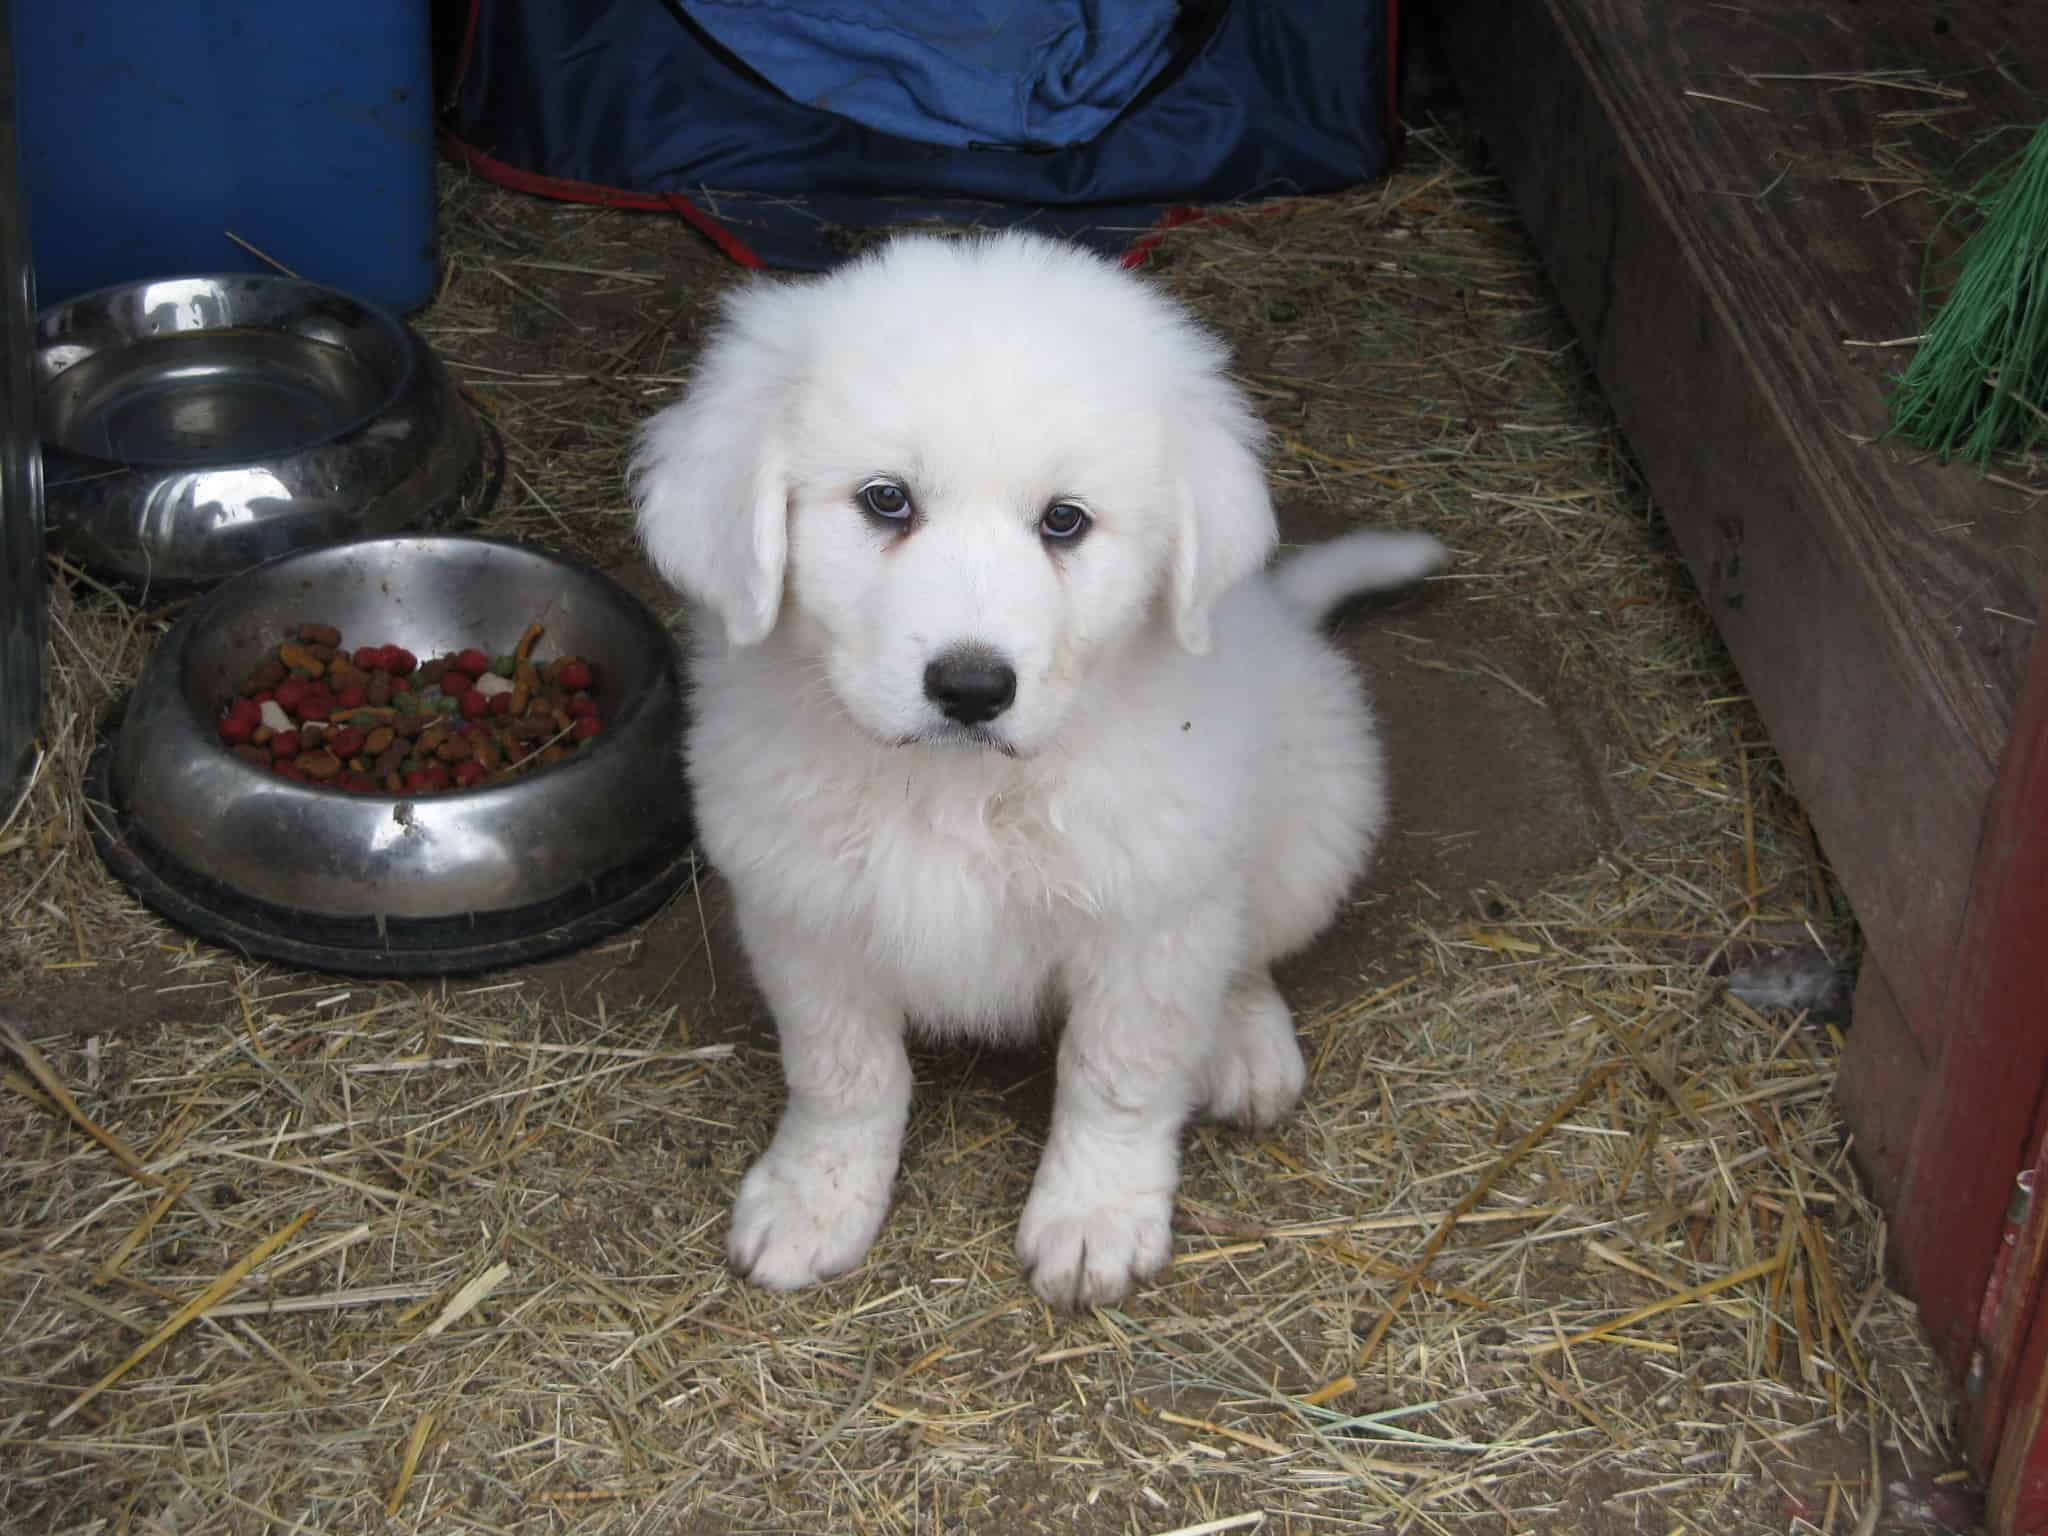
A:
x: 376, y: 720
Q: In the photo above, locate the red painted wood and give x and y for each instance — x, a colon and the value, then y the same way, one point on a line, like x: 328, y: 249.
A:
x: 2008, y: 1426
x: 2019, y: 1488
x: 2006, y: 1380
x: 1975, y: 1126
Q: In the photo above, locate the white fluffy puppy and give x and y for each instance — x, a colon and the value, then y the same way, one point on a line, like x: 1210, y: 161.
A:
x: 995, y: 721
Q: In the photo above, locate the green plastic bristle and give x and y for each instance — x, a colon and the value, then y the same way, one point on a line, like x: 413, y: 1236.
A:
x: 1978, y: 384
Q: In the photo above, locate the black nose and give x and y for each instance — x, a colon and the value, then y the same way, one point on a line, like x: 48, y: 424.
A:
x: 970, y: 685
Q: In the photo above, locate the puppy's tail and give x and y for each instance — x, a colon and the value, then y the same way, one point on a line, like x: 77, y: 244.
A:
x: 1316, y: 579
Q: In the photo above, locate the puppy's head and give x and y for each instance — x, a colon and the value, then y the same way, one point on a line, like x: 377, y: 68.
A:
x: 960, y: 475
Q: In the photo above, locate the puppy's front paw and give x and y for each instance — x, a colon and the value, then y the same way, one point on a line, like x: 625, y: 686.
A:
x: 1256, y: 1074
x: 1091, y: 1254
x: 807, y: 1212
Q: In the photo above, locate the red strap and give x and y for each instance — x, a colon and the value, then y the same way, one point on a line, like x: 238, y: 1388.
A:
x: 568, y: 190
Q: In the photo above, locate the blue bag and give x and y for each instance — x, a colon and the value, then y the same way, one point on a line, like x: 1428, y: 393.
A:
x: 1101, y: 127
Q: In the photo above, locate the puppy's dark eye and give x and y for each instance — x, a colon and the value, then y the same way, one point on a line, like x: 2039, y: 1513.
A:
x: 887, y: 500
x: 1063, y: 520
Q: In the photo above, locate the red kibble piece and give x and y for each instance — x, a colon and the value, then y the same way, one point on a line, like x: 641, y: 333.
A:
x: 473, y: 704
x: 586, y: 727
x: 437, y: 774
x: 468, y: 771
x: 582, y: 705
x: 400, y: 661
x: 316, y: 705
x: 346, y: 742
x: 260, y: 699
x: 501, y: 703
x: 351, y: 697
x: 400, y: 683
x: 369, y: 658
x: 284, y: 744
x: 235, y: 729
x: 573, y: 675
x: 246, y: 709
x: 291, y: 692
x: 474, y: 662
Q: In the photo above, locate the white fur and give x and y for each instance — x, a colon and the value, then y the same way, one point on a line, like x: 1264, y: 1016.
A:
x: 1185, y: 786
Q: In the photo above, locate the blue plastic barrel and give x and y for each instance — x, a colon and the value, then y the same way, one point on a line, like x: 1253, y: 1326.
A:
x: 149, y: 131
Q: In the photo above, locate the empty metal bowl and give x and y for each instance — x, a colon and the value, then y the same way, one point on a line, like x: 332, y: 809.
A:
x: 196, y: 426
x: 382, y: 884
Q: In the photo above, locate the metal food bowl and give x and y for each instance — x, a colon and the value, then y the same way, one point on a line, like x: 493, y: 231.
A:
x: 387, y: 885
x: 196, y: 426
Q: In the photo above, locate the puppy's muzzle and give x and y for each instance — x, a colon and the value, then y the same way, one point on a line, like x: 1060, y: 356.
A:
x: 971, y: 685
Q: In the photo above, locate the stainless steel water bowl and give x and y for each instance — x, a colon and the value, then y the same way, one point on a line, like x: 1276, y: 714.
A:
x: 382, y: 884
x: 196, y: 426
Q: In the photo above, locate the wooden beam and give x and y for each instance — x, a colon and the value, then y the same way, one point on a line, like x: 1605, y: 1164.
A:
x: 1881, y: 1085
x: 1705, y: 207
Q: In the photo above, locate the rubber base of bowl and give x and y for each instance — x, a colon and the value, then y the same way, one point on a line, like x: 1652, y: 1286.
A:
x: 394, y: 947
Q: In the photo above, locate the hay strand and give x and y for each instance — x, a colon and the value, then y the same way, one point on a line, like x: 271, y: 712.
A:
x: 1684, y: 1298
x: 1251, y: 1520
x: 48, y: 1081
x: 468, y: 1298
x: 409, y: 1463
x: 1588, y: 1085
x: 194, y: 1309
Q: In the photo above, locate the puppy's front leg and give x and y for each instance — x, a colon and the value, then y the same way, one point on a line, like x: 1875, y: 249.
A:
x: 812, y: 1204
x: 1143, y: 1017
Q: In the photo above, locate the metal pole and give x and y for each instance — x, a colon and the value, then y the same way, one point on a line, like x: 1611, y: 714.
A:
x: 21, y: 476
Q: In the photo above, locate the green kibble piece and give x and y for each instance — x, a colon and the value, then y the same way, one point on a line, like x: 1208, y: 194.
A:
x: 445, y: 705
x: 405, y: 703
x: 505, y: 665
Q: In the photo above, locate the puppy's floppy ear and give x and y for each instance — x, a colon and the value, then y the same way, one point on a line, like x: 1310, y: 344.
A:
x: 710, y: 474
x: 1225, y: 527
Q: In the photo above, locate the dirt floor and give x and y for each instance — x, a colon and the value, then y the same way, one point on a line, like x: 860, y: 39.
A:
x: 1565, y: 1239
